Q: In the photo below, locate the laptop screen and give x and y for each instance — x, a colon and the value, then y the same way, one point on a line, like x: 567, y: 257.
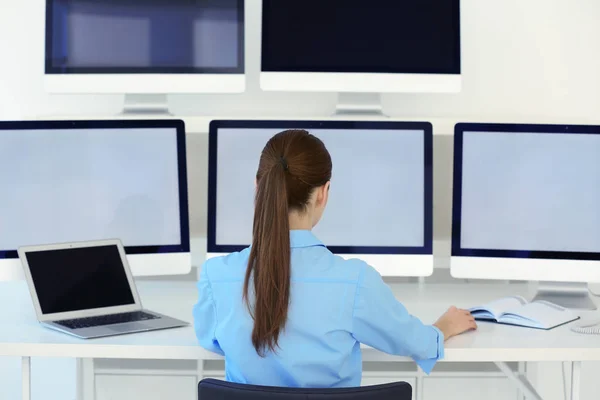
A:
x: 79, y: 279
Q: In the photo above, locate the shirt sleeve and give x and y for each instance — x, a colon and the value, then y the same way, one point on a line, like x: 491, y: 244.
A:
x: 380, y: 321
x: 205, y: 314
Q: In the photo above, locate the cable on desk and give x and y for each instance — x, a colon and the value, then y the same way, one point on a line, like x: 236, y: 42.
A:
x: 590, y: 327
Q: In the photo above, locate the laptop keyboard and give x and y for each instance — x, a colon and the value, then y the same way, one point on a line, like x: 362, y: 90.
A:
x: 102, y: 320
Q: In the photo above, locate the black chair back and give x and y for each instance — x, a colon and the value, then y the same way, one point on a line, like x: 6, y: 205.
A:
x: 212, y: 389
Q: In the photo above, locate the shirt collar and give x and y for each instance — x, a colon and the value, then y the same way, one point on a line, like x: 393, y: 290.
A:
x: 304, y: 238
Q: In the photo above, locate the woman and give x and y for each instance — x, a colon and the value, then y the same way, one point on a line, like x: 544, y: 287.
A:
x: 286, y: 311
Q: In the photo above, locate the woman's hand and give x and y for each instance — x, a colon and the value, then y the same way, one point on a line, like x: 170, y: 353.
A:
x: 454, y: 322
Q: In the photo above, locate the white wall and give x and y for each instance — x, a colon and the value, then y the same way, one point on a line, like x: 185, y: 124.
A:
x: 535, y: 59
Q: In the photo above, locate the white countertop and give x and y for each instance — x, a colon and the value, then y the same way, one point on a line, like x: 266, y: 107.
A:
x: 21, y: 335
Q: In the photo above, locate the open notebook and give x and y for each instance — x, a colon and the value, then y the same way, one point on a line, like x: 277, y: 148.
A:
x: 516, y: 310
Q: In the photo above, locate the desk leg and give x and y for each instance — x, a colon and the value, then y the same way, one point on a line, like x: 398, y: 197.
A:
x: 575, y: 380
x: 523, y: 372
x: 86, y: 385
x: 420, y: 387
x: 26, y: 378
x: 200, y: 370
x: 520, y: 381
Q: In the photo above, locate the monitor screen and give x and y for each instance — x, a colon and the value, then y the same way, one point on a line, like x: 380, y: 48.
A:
x: 144, y: 36
x: 389, y: 36
x: 79, y: 279
x: 380, y: 199
x: 92, y: 180
x: 527, y: 191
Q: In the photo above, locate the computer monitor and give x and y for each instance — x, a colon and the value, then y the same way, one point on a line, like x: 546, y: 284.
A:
x: 144, y: 46
x: 373, y: 46
x: 380, y: 202
x: 66, y: 181
x: 526, y: 206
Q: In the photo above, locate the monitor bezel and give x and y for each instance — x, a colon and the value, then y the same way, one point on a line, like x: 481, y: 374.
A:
x: 50, y: 69
x: 178, y: 125
x: 426, y: 127
x: 456, y: 249
x: 455, y: 70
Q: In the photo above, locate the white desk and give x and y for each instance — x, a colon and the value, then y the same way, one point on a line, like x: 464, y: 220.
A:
x: 22, y: 336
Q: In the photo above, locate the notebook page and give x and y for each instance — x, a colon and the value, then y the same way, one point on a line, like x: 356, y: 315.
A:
x: 497, y: 307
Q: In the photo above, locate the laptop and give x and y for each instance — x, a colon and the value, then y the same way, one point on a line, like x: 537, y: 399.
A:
x: 86, y: 290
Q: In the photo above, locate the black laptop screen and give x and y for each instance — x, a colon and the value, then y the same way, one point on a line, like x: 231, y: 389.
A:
x: 79, y: 279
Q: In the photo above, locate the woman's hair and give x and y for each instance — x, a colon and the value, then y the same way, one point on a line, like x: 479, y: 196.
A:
x: 292, y: 164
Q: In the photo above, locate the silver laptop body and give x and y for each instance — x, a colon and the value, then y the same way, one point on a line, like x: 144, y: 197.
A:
x: 86, y: 289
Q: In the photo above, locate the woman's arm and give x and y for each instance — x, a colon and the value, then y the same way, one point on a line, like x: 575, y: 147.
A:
x: 205, y: 314
x: 380, y: 321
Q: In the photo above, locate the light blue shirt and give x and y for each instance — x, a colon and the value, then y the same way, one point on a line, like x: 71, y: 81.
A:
x: 335, y: 305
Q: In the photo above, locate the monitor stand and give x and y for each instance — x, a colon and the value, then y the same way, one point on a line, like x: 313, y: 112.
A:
x: 569, y: 295
x: 146, y: 104
x: 359, y: 104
